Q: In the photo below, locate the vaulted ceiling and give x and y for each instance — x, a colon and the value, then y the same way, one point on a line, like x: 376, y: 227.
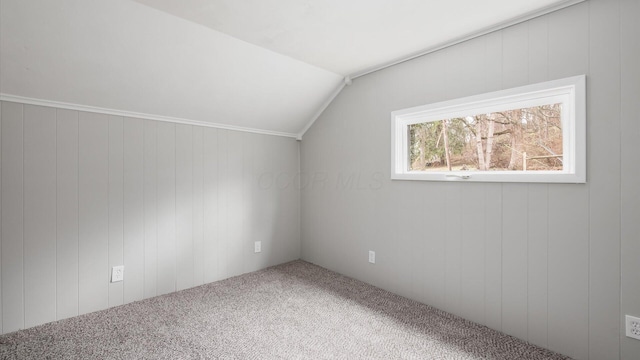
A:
x: 254, y: 64
x: 348, y: 36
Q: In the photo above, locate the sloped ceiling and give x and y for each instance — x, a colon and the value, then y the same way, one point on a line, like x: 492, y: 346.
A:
x: 349, y: 36
x: 122, y: 55
x: 254, y: 64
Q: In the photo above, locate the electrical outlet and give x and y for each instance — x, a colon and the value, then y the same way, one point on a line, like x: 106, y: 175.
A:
x: 372, y: 257
x: 633, y: 327
x: 257, y: 246
x: 117, y: 273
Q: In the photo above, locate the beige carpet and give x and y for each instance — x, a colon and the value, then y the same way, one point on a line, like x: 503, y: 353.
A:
x: 291, y: 311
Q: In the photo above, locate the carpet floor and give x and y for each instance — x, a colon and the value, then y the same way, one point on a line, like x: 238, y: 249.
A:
x: 292, y: 311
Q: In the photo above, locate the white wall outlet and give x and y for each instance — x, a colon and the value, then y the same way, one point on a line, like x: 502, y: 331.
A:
x: 633, y: 327
x: 117, y: 273
x: 257, y: 246
x: 372, y: 257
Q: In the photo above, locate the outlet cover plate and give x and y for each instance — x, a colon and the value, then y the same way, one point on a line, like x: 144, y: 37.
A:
x: 633, y: 327
x: 117, y: 273
x: 372, y: 257
x: 257, y: 246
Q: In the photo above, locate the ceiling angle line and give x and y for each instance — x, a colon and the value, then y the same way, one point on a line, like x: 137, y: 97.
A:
x: 485, y: 31
x: 345, y: 82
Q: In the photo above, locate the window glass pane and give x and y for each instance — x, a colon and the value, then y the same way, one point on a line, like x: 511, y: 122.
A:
x: 512, y: 140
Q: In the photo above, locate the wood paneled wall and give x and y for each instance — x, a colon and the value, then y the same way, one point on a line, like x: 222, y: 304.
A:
x: 537, y: 261
x: 177, y: 205
x: 629, y: 172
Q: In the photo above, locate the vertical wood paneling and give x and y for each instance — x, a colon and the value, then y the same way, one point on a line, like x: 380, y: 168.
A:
x: 493, y: 257
x: 453, y: 205
x: 515, y: 56
x: 67, y: 214
x: 286, y: 228
x: 116, y: 206
x: 493, y: 64
x: 473, y: 245
x: 198, y: 205
x: 133, y: 209
x: 568, y: 270
x: 432, y: 237
x: 472, y: 78
x: 235, y: 241
x: 336, y: 233
x: 418, y: 245
x: 514, y: 259
x: 314, y: 248
x: 341, y: 249
x: 630, y: 169
x: 551, y: 256
x: 281, y: 233
x: 224, y: 190
x: 290, y: 222
x: 330, y: 238
x: 1, y: 332
x: 568, y: 35
x: 39, y: 215
x: 252, y: 222
x: 386, y: 251
x: 493, y: 203
x: 407, y: 242
x: 313, y: 215
x: 93, y: 188
x: 362, y: 217
x: 570, y: 256
x: 150, y: 190
x: 434, y: 264
x: 104, y: 190
x: 468, y: 77
x: 537, y: 204
x: 184, y: 207
x: 453, y: 248
x: 307, y: 213
x: 568, y: 215
x: 166, y: 208
x: 537, y: 274
x: 211, y: 240
x: 12, y: 217
x: 604, y: 160
x: 538, y: 41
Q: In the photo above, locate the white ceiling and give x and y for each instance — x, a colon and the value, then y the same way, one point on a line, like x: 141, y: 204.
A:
x: 255, y: 64
x: 349, y: 36
x: 122, y: 55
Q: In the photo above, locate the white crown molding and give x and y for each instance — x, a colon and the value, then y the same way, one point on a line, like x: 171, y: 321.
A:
x: 99, y: 110
x: 485, y: 31
x: 473, y: 35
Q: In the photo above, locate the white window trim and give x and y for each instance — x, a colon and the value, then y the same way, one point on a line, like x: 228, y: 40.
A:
x: 571, y: 92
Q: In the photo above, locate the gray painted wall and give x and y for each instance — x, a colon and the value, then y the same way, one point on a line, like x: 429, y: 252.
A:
x: 178, y: 205
x: 541, y: 262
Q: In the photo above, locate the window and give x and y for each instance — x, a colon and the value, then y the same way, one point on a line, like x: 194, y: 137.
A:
x: 534, y: 133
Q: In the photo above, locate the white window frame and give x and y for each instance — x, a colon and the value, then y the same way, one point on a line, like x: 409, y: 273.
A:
x: 570, y: 92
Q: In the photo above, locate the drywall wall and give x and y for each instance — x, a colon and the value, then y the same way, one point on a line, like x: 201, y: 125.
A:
x: 541, y: 262
x: 177, y: 205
